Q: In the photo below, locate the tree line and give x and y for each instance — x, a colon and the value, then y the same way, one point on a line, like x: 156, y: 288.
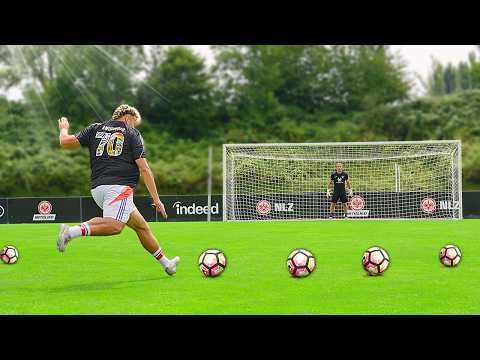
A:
x: 450, y: 78
x: 252, y: 93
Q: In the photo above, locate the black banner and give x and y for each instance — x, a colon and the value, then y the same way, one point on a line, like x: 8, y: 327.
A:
x: 194, y: 208
x: 471, y: 204
x: 89, y: 209
x: 144, y: 205
x: 373, y: 205
x: 43, y: 210
x: 3, y: 211
x: 178, y: 208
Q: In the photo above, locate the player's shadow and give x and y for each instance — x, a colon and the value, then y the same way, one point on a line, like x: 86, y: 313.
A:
x: 98, y: 286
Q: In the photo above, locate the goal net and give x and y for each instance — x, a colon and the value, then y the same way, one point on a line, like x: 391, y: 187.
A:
x: 390, y: 180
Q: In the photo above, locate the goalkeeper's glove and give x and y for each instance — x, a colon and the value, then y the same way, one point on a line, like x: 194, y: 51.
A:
x: 350, y: 192
x: 329, y: 192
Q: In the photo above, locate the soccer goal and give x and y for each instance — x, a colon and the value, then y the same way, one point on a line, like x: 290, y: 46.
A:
x: 390, y: 180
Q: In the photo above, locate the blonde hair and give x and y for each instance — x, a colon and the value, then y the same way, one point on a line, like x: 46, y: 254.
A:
x: 125, y: 109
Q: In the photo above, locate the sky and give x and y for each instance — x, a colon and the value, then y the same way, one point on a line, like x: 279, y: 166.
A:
x: 418, y: 59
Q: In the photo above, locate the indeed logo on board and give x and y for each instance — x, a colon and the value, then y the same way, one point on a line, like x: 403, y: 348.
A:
x: 194, y: 209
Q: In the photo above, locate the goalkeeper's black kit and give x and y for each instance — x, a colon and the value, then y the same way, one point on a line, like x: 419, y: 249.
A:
x: 339, y: 192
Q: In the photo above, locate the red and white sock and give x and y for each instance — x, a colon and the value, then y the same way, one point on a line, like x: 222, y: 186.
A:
x: 79, y: 230
x: 161, y: 257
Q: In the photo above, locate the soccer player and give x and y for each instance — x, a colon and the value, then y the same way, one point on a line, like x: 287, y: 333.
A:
x: 117, y: 159
x: 339, y: 180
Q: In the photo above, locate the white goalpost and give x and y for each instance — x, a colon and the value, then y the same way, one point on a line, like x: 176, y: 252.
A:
x: 390, y: 180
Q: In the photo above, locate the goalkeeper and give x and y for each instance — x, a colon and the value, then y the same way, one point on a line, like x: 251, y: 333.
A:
x: 339, y: 182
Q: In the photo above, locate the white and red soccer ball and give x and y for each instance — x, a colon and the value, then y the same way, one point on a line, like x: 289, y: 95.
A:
x: 375, y: 261
x: 9, y: 255
x: 450, y: 255
x: 212, y: 262
x: 301, y: 263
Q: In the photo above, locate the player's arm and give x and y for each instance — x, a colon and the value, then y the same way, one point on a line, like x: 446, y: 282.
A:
x: 349, y: 187
x: 66, y: 141
x: 149, y: 180
x: 329, y: 187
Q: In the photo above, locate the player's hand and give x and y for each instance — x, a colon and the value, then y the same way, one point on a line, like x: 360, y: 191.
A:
x: 158, y: 205
x: 63, y: 123
x: 329, y: 192
x: 350, y: 192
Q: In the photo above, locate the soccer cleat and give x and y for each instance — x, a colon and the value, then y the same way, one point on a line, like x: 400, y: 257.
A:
x: 63, y: 237
x: 172, y: 267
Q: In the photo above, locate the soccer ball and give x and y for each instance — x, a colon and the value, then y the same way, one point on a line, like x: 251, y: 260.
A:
x: 301, y: 263
x: 9, y: 255
x: 450, y: 255
x: 212, y: 262
x: 375, y: 261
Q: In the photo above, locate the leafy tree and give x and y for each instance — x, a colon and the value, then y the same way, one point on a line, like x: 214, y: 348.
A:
x: 370, y: 75
x: 450, y: 77
x: 27, y: 64
x: 464, y: 78
x: 444, y: 80
x: 178, y: 94
x: 87, y: 81
x: 91, y: 81
x: 315, y: 78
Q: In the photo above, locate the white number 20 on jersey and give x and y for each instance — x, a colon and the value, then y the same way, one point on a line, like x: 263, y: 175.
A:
x: 113, y: 141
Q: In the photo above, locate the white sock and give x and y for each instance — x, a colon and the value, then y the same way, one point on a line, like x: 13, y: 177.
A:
x: 162, y: 259
x: 79, y: 230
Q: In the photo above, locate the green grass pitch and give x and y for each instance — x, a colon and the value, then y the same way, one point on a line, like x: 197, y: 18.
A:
x: 114, y: 275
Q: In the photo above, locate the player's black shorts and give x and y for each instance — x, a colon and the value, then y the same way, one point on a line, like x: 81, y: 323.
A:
x: 342, y: 196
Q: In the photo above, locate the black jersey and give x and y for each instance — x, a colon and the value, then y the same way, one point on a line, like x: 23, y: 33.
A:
x: 114, y: 147
x: 339, y: 181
